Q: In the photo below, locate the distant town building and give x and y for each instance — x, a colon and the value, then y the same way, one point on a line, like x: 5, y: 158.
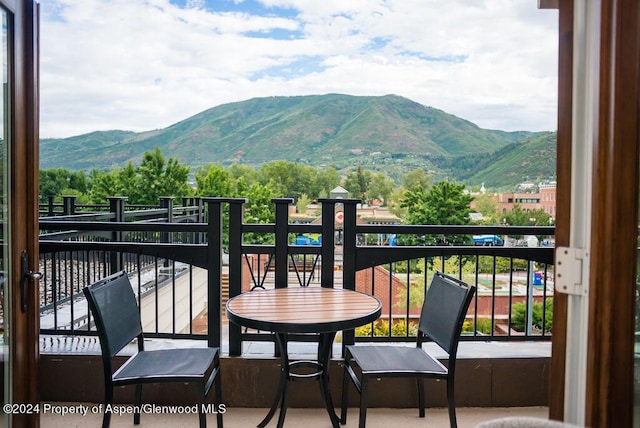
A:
x: 548, y: 198
x: 366, y: 214
x: 540, y: 197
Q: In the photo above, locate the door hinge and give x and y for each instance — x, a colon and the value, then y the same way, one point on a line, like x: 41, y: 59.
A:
x: 571, y: 265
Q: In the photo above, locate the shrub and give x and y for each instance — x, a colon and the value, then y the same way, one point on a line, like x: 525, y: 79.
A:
x: 483, y: 326
x: 381, y: 328
x: 518, y: 315
x: 364, y: 330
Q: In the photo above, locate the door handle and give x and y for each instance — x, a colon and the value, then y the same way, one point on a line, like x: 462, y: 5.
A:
x: 26, y: 277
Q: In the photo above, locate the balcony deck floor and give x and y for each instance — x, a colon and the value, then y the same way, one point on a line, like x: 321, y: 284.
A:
x: 296, y: 417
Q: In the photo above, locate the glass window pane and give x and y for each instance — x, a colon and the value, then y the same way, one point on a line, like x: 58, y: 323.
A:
x: 4, y: 201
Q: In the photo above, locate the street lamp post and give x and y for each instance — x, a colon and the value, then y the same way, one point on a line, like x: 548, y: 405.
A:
x: 532, y: 241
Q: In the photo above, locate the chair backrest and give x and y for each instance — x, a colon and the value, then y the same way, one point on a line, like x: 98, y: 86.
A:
x: 115, y: 312
x: 444, y: 309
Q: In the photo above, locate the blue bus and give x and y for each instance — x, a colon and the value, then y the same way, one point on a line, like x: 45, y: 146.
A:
x: 488, y: 240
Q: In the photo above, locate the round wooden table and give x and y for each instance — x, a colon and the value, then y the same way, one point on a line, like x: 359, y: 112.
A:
x: 324, y: 311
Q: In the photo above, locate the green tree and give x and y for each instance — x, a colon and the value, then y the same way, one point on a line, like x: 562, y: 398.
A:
x: 520, y: 217
x: 259, y: 209
x: 444, y: 203
x: 248, y: 174
x: 380, y: 187
x: 327, y: 179
x: 214, y: 180
x: 242, y: 188
x: 517, y: 217
x: 414, y: 202
x: 61, y: 182
x: 127, y: 182
x: 157, y: 177
x: 540, y: 218
x: 281, y: 175
x: 489, y: 207
x: 81, y: 198
x: 289, y: 179
x: 416, y: 178
x: 395, y: 202
x: 357, y: 183
x: 103, y: 185
x: 302, y: 203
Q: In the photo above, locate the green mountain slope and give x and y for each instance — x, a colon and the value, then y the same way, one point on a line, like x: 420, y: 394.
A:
x: 532, y: 160
x: 291, y: 128
x: 388, y: 133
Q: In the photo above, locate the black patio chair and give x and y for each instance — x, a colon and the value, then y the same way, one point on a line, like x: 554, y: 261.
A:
x: 117, y: 319
x: 443, y: 312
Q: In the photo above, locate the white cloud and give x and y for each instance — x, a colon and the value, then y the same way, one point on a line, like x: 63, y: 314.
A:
x: 146, y: 64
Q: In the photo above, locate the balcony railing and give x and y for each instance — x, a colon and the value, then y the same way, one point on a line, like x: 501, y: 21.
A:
x: 185, y: 261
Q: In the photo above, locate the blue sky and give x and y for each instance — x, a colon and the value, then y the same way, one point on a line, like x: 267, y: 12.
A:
x: 146, y: 64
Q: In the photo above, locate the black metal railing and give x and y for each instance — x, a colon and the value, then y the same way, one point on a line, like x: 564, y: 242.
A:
x: 174, y: 256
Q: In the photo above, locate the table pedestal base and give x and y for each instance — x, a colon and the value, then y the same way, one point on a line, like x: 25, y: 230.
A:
x: 321, y: 365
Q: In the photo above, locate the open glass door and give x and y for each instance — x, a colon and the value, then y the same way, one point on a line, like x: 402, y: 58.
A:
x: 19, y: 300
x: 636, y: 336
x: 636, y: 351
x: 5, y: 292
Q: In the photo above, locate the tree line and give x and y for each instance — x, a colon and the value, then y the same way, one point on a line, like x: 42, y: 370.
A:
x: 416, y: 199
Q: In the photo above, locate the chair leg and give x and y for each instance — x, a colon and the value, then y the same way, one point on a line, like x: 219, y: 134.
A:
x: 106, y: 418
x: 364, y: 384
x: 345, y: 392
x: 108, y: 401
x: 420, y: 396
x: 283, y: 404
x: 451, y: 402
x: 138, y: 398
x: 202, y: 398
x: 218, y: 382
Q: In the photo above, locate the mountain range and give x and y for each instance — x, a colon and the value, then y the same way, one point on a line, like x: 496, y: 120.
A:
x: 382, y: 133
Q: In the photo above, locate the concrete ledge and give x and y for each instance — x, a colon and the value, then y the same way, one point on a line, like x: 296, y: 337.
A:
x: 488, y: 375
x: 83, y: 345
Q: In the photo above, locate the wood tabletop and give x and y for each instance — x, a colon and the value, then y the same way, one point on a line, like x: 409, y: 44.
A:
x: 303, y: 309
